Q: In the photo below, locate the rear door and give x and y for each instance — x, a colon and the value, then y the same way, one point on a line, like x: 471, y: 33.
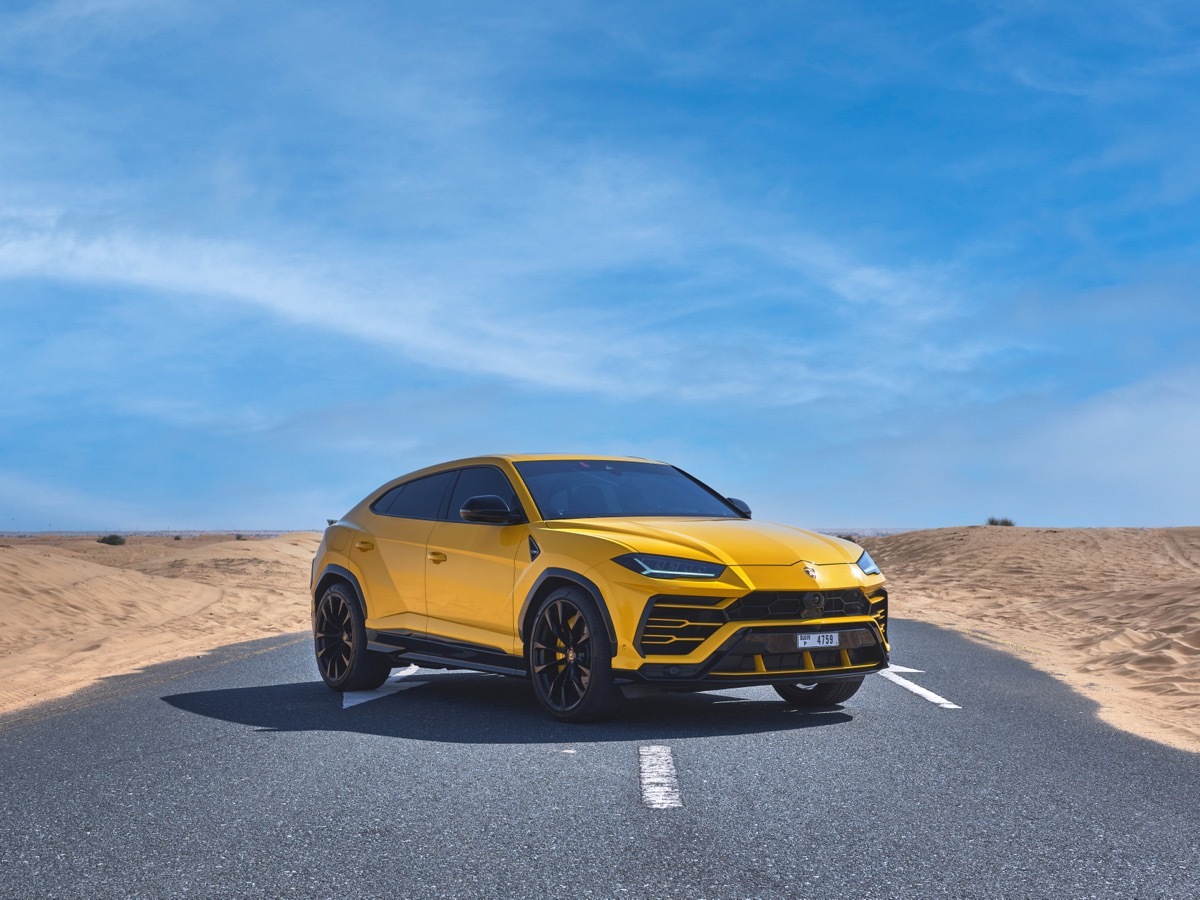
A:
x: 471, y: 568
x: 396, y: 562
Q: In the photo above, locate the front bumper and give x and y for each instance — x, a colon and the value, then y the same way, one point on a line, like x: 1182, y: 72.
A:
x: 702, y: 641
x: 762, y: 654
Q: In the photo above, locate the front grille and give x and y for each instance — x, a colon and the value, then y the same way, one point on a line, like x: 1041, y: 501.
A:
x: 675, y: 626
x: 760, y: 605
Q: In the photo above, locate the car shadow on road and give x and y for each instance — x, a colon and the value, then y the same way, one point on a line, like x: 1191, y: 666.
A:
x: 483, y: 709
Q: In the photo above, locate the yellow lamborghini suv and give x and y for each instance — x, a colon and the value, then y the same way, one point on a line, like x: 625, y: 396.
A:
x: 597, y: 578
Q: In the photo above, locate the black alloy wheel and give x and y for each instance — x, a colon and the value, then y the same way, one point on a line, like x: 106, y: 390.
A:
x: 340, y: 642
x: 826, y: 693
x: 570, y: 659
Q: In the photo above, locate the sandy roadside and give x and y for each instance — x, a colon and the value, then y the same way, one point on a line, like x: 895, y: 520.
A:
x: 1115, y: 613
x: 73, y: 611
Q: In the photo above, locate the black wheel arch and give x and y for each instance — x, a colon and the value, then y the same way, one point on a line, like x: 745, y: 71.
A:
x: 332, y: 574
x: 550, y: 580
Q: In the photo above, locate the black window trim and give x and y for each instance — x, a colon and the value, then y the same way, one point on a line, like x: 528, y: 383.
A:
x: 724, y: 500
x: 445, y: 511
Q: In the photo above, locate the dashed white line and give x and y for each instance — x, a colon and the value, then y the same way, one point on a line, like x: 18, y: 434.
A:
x: 660, y: 788
x: 396, y: 683
x: 890, y: 674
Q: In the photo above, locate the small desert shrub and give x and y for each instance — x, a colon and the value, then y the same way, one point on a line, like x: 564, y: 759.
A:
x: 178, y: 537
x: 992, y: 520
x: 239, y: 537
x: 115, y: 540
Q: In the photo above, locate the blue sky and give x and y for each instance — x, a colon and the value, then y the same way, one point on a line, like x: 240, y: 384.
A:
x: 863, y: 265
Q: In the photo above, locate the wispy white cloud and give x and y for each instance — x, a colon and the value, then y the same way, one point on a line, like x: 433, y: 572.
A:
x: 501, y: 302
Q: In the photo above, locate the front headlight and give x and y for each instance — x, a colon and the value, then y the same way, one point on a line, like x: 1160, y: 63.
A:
x: 868, y: 565
x: 653, y: 566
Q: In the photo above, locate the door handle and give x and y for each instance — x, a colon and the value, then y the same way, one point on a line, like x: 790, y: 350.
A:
x: 364, y: 545
x: 437, y: 556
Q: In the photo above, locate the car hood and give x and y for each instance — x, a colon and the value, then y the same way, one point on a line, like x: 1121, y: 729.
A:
x: 743, y: 542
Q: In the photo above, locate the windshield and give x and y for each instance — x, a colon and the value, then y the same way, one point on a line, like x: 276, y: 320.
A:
x: 593, y: 488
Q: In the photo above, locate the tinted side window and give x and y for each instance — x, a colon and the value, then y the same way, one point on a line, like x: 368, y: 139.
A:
x: 480, y: 480
x: 421, y: 499
x: 380, y: 506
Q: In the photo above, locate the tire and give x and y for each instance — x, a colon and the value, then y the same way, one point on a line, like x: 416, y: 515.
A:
x: 570, y: 658
x: 822, y: 694
x: 340, y: 643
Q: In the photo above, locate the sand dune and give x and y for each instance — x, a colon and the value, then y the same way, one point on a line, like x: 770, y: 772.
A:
x: 1114, y: 612
x: 73, y: 611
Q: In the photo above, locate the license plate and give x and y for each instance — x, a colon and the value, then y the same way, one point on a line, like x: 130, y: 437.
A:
x: 821, y: 640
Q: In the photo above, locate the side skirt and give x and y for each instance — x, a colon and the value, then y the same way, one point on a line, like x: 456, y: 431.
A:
x: 439, y: 653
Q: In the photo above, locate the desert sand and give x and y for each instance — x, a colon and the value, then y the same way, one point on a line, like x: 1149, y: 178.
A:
x: 73, y: 611
x: 1114, y: 613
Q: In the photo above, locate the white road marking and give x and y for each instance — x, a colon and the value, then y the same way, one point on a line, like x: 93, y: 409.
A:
x: 895, y: 668
x: 394, y: 684
x: 660, y: 789
x: 890, y: 674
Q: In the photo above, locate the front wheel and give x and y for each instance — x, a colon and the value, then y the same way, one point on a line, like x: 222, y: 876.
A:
x: 821, y: 694
x: 570, y: 659
x: 340, y: 641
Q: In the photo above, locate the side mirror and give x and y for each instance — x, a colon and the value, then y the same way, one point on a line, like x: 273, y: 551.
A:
x: 740, y: 506
x: 488, y: 509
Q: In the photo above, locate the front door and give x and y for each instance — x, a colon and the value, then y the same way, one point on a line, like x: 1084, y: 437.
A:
x: 471, y: 568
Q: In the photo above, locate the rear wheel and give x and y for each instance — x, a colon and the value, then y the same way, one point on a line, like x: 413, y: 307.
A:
x: 340, y: 641
x: 821, y: 694
x: 570, y: 658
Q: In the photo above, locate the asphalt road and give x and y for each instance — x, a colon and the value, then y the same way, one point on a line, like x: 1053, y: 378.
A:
x: 240, y: 774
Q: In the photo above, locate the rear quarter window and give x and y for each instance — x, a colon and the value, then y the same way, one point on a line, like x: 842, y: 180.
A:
x: 420, y: 499
x: 381, y: 506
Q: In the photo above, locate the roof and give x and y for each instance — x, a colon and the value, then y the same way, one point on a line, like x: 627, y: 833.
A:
x: 494, y: 458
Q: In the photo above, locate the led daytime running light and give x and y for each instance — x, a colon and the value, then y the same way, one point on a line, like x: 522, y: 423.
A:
x: 654, y: 566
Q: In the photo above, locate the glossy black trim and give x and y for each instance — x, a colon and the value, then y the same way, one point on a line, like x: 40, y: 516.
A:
x: 721, y: 497
x: 423, y: 649
x: 741, y: 506
x: 443, y: 514
x: 580, y: 581
x: 481, y: 510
